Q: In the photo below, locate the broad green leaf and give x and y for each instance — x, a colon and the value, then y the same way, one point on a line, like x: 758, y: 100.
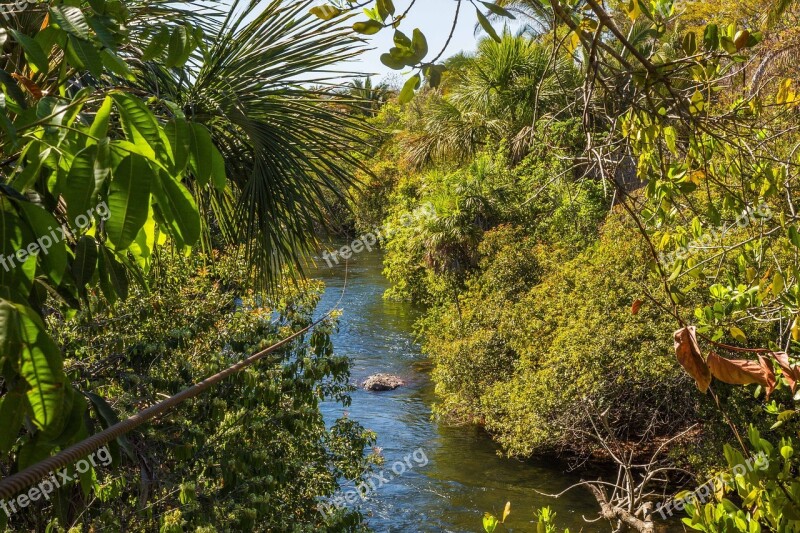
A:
x: 633, y: 9
x: 116, y: 64
x: 34, y: 451
x: 727, y: 44
x: 401, y: 40
x: 34, y: 53
x: 139, y: 123
x: 75, y: 107
x: 777, y: 284
x: 79, y: 188
x: 487, y: 26
x: 497, y: 10
x: 102, y: 164
x: 83, y: 55
x: 128, y: 200
x: 178, y: 208
x: 738, y: 334
x: 434, y: 75
x: 105, y: 31
x: 411, y: 85
x: 113, y: 275
x: 218, y: 173
x: 367, y: 27
x: 420, y: 45
x: 74, y: 413
x: 179, y: 135
x: 42, y: 369
x: 26, y: 179
x: 671, y: 138
x: 490, y: 523
x: 201, y: 161
x: 52, y: 249
x: 393, y: 63
x: 385, y: 8
x: 157, y: 45
x: 71, y: 20
x: 142, y: 247
x: 794, y: 236
x: 711, y: 37
x: 108, y: 417
x: 690, y: 43
x: 14, y: 236
x: 99, y: 127
x: 85, y: 263
x: 8, y: 335
x: 180, y: 47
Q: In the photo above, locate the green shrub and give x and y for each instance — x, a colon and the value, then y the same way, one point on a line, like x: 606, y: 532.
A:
x: 253, y: 450
x: 526, y: 362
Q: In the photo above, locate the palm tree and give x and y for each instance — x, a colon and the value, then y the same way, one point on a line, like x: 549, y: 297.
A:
x: 370, y: 98
x: 500, y: 92
x: 264, y: 87
x: 89, y: 102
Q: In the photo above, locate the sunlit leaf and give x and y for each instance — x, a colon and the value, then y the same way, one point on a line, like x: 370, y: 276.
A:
x: 487, y: 26
x: 42, y: 370
x: 128, y: 200
x: 411, y: 85
x: 367, y: 27
x: 688, y: 353
x: 498, y: 10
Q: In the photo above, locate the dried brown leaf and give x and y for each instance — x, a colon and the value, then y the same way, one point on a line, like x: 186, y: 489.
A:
x: 688, y: 353
x: 28, y: 84
x: 743, y: 371
x: 769, y: 373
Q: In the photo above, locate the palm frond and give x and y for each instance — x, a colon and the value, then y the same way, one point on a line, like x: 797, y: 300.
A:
x: 287, y: 147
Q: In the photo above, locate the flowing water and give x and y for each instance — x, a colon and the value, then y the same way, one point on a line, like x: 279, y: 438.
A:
x: 463, y: 477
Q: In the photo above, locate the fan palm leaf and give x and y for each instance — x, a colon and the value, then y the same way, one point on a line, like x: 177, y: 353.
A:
x: 286, y: 146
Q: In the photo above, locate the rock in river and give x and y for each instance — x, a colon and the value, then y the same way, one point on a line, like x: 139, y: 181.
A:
x: 382, y: 382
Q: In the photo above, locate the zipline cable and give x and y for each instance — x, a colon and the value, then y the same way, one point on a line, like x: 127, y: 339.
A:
x: 16, y: 483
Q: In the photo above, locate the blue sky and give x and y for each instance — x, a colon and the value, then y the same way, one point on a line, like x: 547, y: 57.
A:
x: 434, y: 18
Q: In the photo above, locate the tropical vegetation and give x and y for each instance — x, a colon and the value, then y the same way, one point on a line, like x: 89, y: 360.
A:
x: 611, y: 272
x: 615, y: 192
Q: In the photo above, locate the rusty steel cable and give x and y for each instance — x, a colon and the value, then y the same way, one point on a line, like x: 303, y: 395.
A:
x: 18, y: 482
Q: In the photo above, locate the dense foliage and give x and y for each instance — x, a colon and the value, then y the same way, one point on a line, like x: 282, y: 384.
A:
x: 132, y: 132
x: 611, y: 174
x: 253, y: 451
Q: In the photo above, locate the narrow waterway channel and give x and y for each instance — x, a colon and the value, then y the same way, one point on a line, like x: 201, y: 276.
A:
x: 463, y: 477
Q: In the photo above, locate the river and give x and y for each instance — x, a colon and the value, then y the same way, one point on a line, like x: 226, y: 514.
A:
x: 464, y: 477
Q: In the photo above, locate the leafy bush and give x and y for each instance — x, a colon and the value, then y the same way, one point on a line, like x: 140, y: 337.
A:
x: 524, y: 362
x: 254, y: 450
